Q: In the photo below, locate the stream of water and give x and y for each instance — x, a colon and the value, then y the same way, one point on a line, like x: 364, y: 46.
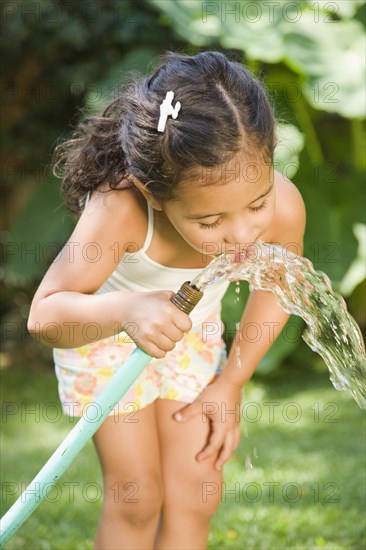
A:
x: 300, y: 290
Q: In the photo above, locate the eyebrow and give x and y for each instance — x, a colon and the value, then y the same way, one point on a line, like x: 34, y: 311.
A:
x: 201, y: 216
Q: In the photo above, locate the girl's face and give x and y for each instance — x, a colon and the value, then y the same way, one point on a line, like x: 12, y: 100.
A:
x: 225, y: 217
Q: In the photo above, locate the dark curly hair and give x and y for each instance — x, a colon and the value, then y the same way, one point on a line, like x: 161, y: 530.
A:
x: 224, y: 110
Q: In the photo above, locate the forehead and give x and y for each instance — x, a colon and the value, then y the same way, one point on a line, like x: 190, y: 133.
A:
x: 239, y: 181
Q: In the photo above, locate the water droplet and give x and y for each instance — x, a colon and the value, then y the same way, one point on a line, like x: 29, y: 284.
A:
x: 237, y: 291
x: 237, y: 357
x: 248, y: 462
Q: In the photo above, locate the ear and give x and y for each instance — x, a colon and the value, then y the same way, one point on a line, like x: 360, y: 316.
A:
x: 146, y: 193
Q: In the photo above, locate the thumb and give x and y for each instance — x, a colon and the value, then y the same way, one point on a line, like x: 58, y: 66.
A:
x: 186, y: 412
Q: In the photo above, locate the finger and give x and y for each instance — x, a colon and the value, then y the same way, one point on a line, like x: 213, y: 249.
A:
x: 172, y: 332
x: 226, y: 450
x: 187, y: 412
x: 183, y: 321
x: 164, y: 343
x: 215, y: 442
x: 153, y: 350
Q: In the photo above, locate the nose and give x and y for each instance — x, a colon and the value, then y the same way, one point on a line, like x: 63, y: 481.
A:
x: 238, y: 234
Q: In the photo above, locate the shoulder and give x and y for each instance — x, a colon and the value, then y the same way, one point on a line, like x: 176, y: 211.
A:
x: 124, y: 208
x: 290, y: 215
x: 112, y: 224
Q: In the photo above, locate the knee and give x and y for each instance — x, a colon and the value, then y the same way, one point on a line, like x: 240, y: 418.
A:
x: 201, y: 498
x: 210, y: 497
x: 136, y: 501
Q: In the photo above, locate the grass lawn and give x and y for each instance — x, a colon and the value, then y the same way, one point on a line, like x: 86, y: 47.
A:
x: 296, y: 481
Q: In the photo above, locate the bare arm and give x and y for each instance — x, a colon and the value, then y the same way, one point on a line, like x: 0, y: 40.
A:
x: 72, y: 319
x: 65, y: 312
x: 262, y: 312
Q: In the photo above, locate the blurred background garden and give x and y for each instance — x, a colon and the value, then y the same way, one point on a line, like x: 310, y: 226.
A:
x: 62, y: 59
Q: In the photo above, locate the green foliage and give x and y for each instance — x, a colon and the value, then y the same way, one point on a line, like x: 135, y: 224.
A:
x: 311, y: 38
x: 286, y: 155
x: 330, y: 58
x: 77, y: 58
x: 287, y: 342
x: 134, y: 62
x: 309, y: 56
x: 334, y: 204
x: 37, y: 235
x: 356, y: 271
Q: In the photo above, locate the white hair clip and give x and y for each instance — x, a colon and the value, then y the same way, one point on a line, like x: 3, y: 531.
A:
x: 166, y: 109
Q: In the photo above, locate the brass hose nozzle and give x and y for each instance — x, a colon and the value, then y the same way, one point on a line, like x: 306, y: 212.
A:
x: 187, y: 297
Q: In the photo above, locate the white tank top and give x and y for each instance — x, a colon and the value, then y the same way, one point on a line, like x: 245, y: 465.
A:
x: 137, y: 272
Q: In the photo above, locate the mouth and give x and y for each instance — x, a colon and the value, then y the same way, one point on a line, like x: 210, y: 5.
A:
x: 239, y: 253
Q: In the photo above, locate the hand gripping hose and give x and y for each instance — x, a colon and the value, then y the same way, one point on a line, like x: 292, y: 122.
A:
x: 185, y: 299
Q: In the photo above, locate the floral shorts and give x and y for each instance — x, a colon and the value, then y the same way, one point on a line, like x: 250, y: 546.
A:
x: 181, y: 375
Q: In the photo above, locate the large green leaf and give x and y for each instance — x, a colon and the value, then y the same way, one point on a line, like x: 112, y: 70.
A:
x: 257, y: 30
x: 327, y: 53
x: 330, y: 57
x: 107, y: 89
x: 186, y: 16
x: 342, y: 8
x: 357, y: 270
x: 254, y: 27
x: 37, y: 235
x: 290, y: 144
x: 333, y: 205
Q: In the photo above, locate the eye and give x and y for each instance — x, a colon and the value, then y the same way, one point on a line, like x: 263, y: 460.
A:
x: 257, y: 208
x: 209, y: 225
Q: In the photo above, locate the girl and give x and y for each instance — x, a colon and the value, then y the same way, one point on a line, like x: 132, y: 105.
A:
x: 178, y: 169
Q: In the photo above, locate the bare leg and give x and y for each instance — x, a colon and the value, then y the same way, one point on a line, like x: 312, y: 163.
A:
x: 192, y: 490
x: 128, y: 449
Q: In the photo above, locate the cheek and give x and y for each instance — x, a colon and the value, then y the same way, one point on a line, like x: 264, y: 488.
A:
x: 194, y: 236
x: 198, y: 238
x: 267, y: 216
